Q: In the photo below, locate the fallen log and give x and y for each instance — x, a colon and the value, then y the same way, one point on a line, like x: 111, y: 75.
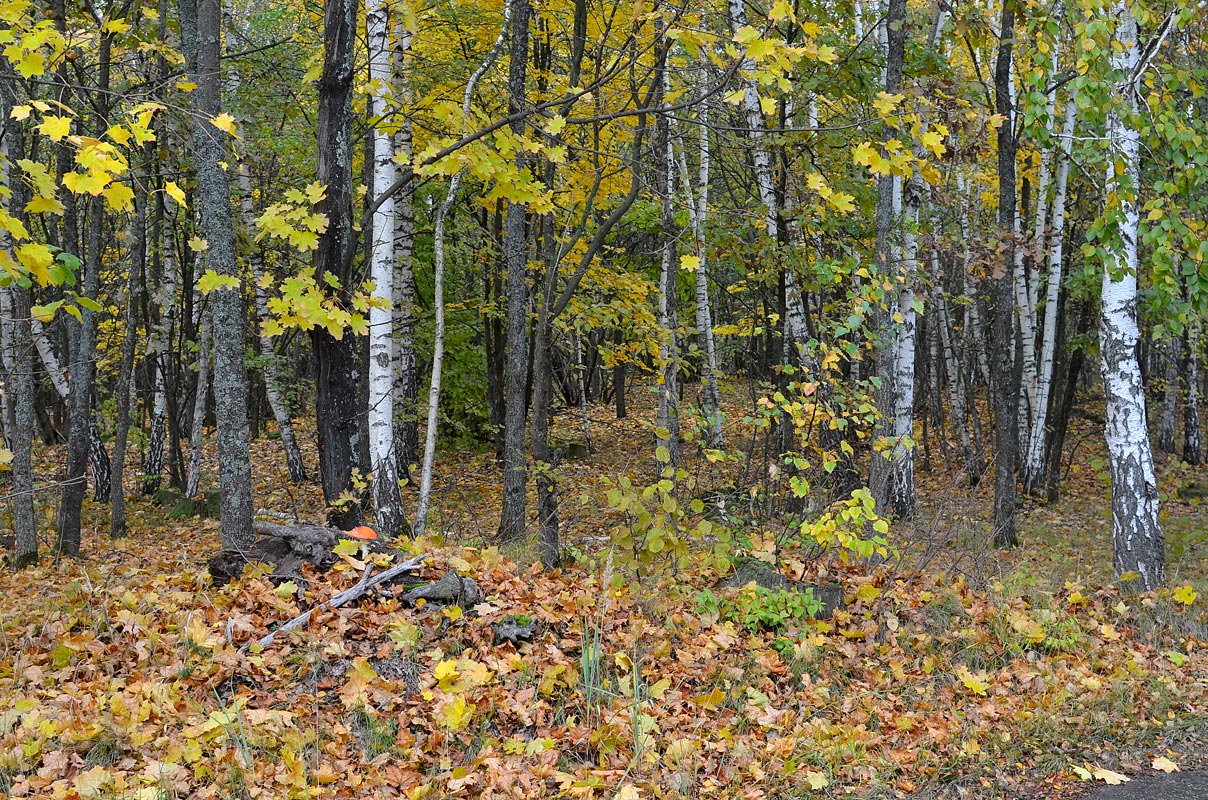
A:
x: 368, y: 581
x: 286, y: 546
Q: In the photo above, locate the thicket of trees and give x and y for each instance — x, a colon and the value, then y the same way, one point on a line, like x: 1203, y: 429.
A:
x: 480, y: 212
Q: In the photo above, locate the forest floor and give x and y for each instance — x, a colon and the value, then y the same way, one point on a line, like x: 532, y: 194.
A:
x: 953, y: 671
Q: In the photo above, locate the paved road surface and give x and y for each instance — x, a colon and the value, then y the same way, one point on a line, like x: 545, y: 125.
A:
x: 1176, y: 786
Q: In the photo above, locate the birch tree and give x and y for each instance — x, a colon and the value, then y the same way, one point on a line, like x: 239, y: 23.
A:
x: 383, y: 458
x: 1138, y: 544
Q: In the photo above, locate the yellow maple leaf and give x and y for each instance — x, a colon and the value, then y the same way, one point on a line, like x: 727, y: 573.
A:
x: 864, y: 154
x: 176, y: 193
x: 225, y: 122
x: 976, y: 683
x: 1184, y: 594
x: 55, y: 127
x: 1164, y: 764
x: 711, y: 701
x: 885, y: 103
x: 119, y: 196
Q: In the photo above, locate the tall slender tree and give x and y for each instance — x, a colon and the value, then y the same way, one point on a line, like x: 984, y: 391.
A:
x: 337, y: 367
x: 201, y: 25
x: 1139, y: 546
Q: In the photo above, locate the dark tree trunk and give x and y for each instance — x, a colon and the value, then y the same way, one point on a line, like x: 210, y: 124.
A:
x: 337, y: 362
x: 515, y: 470
x: 82, y: 336
x: 1001, y: 302
x: 1065, y: 391
x: 618, y: 383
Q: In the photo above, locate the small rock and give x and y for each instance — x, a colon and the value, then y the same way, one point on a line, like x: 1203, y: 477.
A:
x: 515, y: 630
x: 451, y: 589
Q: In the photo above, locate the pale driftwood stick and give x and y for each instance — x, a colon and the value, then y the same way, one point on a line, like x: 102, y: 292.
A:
x: 367, y: 582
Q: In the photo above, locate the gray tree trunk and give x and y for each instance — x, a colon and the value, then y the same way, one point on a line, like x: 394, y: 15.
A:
x: 201, y: 27
x: 18, y: 349
x: 137, y: 244
x: 1170, y: 399
x: 1193, y: 451
x: 512, y: 519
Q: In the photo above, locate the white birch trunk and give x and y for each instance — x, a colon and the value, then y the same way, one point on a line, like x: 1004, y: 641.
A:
x: 387, y: 500
x: 1034, y: 453
x: 193, y: 480
x: 438, y: 355
x: 902, y: 426
x: 50, y: 360
x: 1139, y: 547
x: 697, y: 212
x: 157, y: 349
x: 668, y: 409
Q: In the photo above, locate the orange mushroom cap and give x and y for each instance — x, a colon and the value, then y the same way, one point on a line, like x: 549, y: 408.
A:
x: 363, y: 532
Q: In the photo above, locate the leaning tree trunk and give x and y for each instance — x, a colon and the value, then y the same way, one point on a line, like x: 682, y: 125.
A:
x: 274, y: 380
x: 438, y: 273
x: 515, y: 251
x: 1034, y: 457
x: 383, y: 459
x: 201, y: 26
x: 1139, y: 547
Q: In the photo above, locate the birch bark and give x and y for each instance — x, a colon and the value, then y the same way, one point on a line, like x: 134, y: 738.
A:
x: 1139, y: 547
x: 383, y: 459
